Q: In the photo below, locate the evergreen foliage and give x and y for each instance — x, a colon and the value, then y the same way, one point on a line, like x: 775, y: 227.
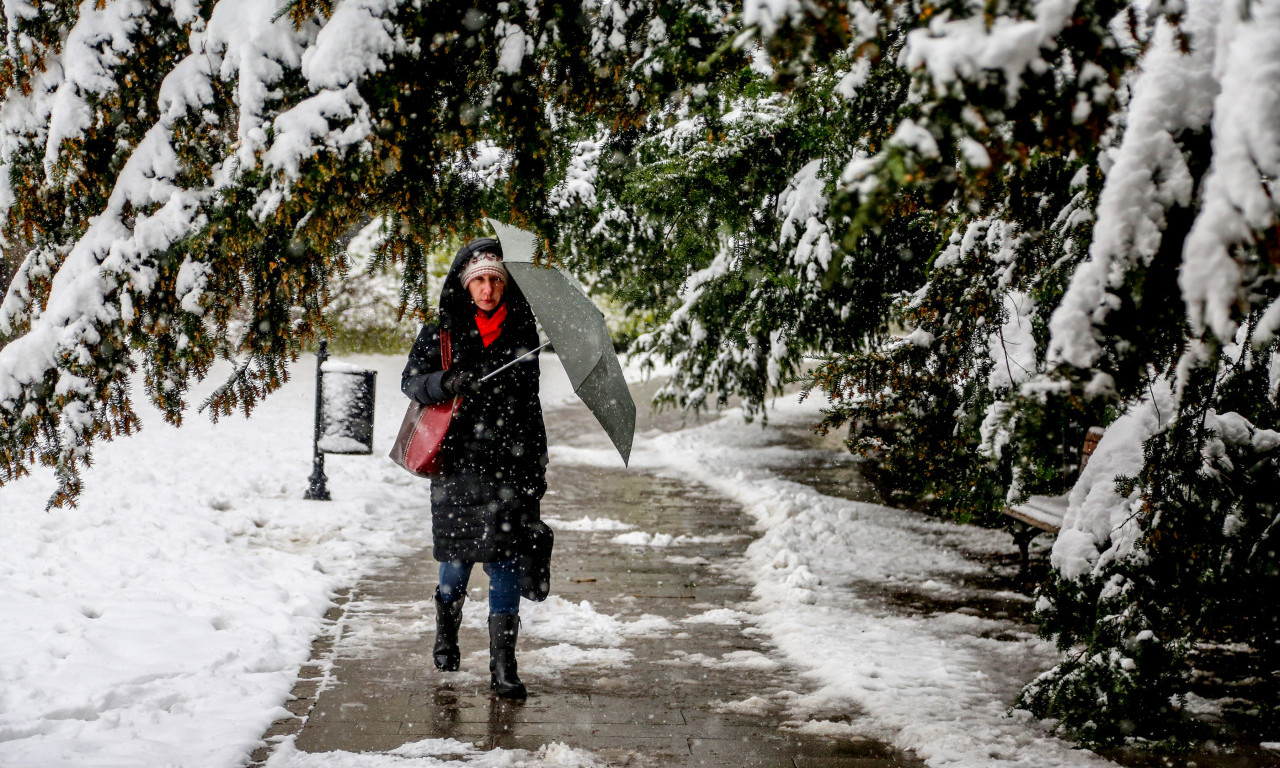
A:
x: 978, y: 228
x: 1028, y: 196
x: 153, y: 213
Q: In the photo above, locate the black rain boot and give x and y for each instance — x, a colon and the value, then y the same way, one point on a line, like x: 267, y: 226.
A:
x: 503, y: 631
x: 448, y: 619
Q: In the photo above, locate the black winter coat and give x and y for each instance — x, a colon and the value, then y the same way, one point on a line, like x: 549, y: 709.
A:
x: 495, y: 454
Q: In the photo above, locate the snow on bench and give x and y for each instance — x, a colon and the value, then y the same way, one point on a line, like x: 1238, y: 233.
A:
x: 1045, y: 513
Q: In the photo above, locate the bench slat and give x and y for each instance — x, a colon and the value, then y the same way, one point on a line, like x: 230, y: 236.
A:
x: 1046, y: 512
x: 1043, y: 512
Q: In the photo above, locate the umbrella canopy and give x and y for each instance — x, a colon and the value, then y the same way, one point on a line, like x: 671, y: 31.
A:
x: 577, y: 330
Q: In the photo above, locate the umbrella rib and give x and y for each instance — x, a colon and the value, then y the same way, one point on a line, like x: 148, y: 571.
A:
x: 491, y: 374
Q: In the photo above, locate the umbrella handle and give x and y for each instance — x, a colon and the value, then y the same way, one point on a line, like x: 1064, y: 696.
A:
x: 491, y: 374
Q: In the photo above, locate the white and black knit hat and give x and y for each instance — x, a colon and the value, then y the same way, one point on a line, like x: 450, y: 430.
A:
x: 483, y: 263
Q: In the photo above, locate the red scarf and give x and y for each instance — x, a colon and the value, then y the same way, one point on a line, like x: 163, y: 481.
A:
x: 491, y: 326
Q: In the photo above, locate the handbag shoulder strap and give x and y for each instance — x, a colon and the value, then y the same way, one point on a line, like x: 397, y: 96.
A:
x: 446, y: 349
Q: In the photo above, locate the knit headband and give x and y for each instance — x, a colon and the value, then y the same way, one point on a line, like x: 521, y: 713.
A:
x: 483, y: 263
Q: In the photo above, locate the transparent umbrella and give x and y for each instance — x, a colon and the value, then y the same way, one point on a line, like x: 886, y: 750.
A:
x: 577, y: 330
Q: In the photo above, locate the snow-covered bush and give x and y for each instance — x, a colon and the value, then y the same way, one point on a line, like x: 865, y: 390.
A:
x: 1170, y: 542
x: 1153, y: 292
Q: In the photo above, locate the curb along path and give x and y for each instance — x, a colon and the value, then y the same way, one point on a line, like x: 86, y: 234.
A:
x: 613, y: 661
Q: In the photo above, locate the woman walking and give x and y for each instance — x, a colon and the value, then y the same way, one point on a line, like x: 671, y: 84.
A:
x: 494, y: 456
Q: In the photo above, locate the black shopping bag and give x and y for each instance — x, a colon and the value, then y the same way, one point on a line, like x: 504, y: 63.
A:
x: 535, y: 562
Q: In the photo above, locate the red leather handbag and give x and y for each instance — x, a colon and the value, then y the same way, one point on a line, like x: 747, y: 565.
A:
x: 417, y: 446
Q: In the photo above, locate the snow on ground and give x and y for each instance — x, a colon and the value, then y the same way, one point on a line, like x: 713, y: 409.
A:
x: 719, y: 616
x: 580, y: 623
x: 939, y: 684
x: 642, y: 539
x: 437, y: 753
x: 746, y: 660
x: 549, y: 662
x: 587, y: 523
x: 163, y: 621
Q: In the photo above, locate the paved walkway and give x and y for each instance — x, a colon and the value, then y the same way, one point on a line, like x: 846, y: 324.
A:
x: 658, y: 699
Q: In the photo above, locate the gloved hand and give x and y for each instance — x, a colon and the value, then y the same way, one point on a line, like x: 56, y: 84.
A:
x: 459, y: 382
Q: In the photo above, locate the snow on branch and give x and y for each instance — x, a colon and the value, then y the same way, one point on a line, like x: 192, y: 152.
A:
x: 110, y: 254
x: 608, y: 25
x: 579, y: 185
x: 1238, y: 200
x: 352, y: 45
x: 94, y: 47
x: 253, y: 54
x: 1173, y: 93
x: 769, y: 15
x: 308, y: 128
x: 872, y: 177
x: 513, y: 46
x: 74, y: 315
x: 950, y: 49
x: 802, y: 209
x: 1012, y: 347
x: 1100, y: 525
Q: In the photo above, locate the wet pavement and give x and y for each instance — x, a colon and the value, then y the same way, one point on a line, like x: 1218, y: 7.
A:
x: 678, y: 695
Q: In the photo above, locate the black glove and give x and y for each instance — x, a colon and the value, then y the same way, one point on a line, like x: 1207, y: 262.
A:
x: 459, y: 382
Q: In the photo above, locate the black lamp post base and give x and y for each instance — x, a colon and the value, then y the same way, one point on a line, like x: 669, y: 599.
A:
x: 317, y: 491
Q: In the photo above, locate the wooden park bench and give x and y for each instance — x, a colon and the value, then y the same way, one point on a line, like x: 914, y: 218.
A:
x: 1043, y: 514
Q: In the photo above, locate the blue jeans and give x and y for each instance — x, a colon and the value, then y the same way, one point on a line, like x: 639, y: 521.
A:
x: 504, y: 583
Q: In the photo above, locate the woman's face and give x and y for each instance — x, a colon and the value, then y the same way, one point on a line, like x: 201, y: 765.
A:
x: 486, y: 291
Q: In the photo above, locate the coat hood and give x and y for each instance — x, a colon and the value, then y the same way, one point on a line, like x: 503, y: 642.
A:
x: 455, y: 302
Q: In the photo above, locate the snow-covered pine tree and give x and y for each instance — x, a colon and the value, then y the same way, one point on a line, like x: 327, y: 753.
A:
x: 1173, y: 318
x: 1092, y: 220
x: 1127, y: 226
x: 789, y: 206
x: 79, y: 101
x: 173, y: 166
x: 714, y: 219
